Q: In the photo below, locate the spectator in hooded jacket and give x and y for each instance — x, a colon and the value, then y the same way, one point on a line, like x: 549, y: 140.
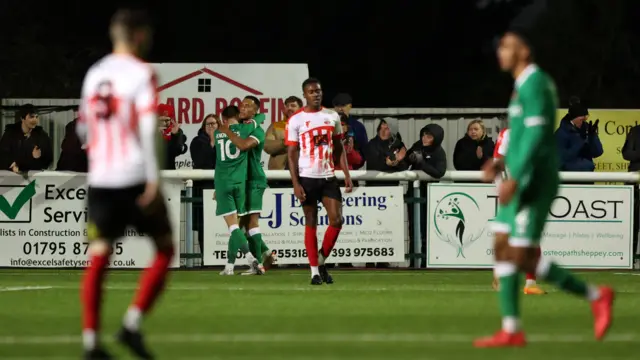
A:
x: 474, y: 149
x: 74, y: 155
x: 203, y: 155
x: 24, y: 145
x: 173, y: 136
x: 577, y: 140
x: 427, y: 153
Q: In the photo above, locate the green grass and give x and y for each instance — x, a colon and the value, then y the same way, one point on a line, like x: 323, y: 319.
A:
x: 364, y: 315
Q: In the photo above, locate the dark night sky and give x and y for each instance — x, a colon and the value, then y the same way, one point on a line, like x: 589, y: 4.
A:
x: 402, y: 53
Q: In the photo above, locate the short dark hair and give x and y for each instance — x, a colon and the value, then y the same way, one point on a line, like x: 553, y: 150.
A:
x: 26, y: 110
x: 131, y: 20
x: 295, y: 99
x: 230, y: 111
x: 254, y: 99
x: 309, y: 81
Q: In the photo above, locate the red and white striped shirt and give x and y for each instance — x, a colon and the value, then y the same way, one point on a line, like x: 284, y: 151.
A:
x: 501, y: 144
x: 314, y: 132
x: 118, y: 116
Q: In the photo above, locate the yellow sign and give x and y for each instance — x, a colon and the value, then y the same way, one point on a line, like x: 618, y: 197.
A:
x: 612, y: 130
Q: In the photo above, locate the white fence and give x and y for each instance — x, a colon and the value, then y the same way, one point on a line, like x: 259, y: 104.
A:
x: 597, y: 235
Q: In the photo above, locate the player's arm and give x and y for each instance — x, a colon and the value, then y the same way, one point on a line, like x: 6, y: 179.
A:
x: 146, y: 104
x: 291, y: 135
x: 339, y: 155
x: 82, y: 128
x: 243, y: 144
x: 532, y: 135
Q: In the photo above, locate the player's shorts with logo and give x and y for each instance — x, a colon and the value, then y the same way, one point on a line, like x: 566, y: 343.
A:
x: 317, y: 188
x: 111, y: 211
x: 524, y: 217
x: 255, y: 191
x: 231, y: 198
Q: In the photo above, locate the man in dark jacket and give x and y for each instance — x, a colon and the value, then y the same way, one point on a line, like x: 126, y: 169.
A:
x: 342, y: 104
x: 73, y: 156
x: 386, y: 151
x: 577, y: 140
x: 427, y: 153
x: 24, y: 145
x: 631, y: 153
x: 174, y: 138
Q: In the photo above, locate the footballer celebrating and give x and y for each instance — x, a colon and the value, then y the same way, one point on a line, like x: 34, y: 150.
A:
x: 314, y: 145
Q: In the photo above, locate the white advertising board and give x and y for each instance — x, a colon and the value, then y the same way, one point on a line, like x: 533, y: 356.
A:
x: 373, y: 227
x: 195, y: 90
x: 43, y: 224
x: 589, y: 226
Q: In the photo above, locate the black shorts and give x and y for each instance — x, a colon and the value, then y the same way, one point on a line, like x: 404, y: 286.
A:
x: 316, y: 189
x: 112, y: 211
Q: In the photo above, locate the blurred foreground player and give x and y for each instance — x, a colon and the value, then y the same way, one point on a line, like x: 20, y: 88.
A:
x: 118, y: 118
x: 314, y: 141
x: 530, y: 287
x: 527, y: 195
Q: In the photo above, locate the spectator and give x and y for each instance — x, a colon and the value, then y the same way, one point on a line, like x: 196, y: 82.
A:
x: 342, y: 103
x: 274, y: 137
x: 203, y: 155
x: 73, y: 156
x: 427, y: 153
x: 386, y: 151
x: 631, y: 153
x: 351, y: 147
x: 24, y: 145
x: 172, y: 134
x: 474, y: 149
x: 577, y: 140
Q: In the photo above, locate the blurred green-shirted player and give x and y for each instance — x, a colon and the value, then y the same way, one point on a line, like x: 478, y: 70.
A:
x: 527, y: 195
x: 231, y: 181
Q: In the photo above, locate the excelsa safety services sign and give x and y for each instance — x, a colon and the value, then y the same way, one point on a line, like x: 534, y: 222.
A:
x: 43, y: 224
x: 196, y: 90
x: 588, y: 226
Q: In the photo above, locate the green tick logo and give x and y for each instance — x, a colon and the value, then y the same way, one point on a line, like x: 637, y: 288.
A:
x: 458, y: 221
x: 11, y: 210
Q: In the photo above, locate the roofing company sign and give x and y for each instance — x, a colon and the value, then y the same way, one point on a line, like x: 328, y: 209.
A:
x: 195, y: 90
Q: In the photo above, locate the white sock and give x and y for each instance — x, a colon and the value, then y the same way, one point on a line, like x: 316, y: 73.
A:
x: 89, y: 339
x: 321, y: 258
x: 593, y: 293
x: 229, y: 266
x: 530, y: 282
x: 132, y: 319
x: 315, y: 271
x: 250, y: 258
x: 510, y: 324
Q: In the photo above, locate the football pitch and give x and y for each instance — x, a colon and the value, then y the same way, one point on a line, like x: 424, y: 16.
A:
x: 366, y: 314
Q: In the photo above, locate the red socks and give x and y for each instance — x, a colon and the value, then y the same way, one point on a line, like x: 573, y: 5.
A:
x: 91, y: 292
x: 329, y: 241
x: 152, y: 281
x: 532, y: 276
x: 311, y: 244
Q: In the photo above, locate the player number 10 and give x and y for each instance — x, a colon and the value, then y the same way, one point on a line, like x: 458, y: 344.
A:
x: 227, y: 154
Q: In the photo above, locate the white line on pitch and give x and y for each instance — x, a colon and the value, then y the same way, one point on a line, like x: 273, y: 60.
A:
x: 315, y: 338
x: 25, y: 288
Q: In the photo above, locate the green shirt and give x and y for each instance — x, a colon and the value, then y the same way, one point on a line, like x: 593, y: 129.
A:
x: 256, y: 172
x: 231, y: 163
x: 532, y: 152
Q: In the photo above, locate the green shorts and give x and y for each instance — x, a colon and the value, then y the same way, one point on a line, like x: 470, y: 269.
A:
x: 524, y: 221
x: 255, y: 191
x: 231, y: 199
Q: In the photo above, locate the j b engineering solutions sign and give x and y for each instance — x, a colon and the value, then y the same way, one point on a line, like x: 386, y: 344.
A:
x: 589, y: 226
